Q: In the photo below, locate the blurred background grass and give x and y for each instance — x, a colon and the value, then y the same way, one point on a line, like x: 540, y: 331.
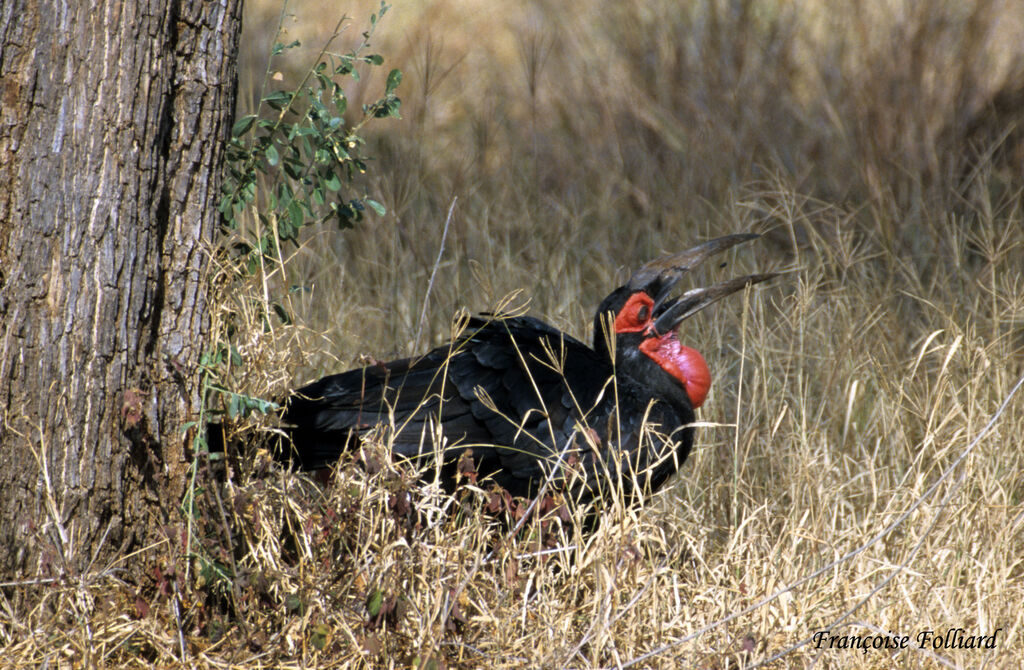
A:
x: 583, y: 138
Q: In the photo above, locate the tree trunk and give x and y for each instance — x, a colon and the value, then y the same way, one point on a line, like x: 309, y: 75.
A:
x: 113, y: 117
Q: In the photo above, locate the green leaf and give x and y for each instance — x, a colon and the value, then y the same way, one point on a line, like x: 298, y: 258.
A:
x: 295, y: 214
x: 243, y: 125
x: 278, y: 99
x: 293, y: 168
x: 376, y: 206
x: 317, y: 110
x: 278, y: 47
x: 318, y: 636
x: 285, y: 193
x: 375, y: 59
x: 293, y: 603
x: 394, y: 79
x: 374, y: 602
x: 259, y: 405
x: 333, y: 182
x: 236, y: 358
x: 272, y: 155
x: 285, y: 229
x: 387, y: 107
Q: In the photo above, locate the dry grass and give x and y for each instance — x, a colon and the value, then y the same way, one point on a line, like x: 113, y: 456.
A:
x: 848, y: 453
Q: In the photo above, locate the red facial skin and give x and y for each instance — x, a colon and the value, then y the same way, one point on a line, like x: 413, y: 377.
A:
x: 683, y: 363
x: 636, y: 316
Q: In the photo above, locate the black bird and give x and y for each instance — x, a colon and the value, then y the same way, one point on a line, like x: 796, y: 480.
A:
x: 530, y: 404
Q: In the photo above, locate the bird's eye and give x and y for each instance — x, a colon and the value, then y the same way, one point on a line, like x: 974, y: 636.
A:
x: 635, y: 315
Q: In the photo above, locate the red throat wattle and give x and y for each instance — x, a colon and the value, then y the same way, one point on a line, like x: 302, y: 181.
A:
x: 683, y: 363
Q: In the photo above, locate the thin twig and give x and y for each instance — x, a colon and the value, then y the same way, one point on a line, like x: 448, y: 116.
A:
x: 180, y: 628
x: 33, y: 582
x: 433, y: 274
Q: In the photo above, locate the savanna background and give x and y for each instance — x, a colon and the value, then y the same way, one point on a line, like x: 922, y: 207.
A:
x: 847, y: 478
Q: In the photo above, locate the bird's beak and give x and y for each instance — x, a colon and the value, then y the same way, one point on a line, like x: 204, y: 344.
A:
x: 660, y: 276
x: 671, y: 313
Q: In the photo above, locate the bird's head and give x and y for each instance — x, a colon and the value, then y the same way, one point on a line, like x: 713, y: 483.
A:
x: 644, y: 317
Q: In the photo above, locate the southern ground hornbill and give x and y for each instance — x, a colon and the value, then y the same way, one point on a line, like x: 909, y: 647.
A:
x: 531, y: 405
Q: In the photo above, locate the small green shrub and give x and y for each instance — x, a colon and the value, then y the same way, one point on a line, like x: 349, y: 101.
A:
x: 293, y: 161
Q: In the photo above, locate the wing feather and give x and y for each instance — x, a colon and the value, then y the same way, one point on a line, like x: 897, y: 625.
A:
x: 513, y: 390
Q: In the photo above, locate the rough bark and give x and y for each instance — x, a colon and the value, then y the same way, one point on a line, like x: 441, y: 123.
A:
x: 113, y: 117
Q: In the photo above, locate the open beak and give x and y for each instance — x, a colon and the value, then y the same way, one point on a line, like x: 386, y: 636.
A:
x: 673, y: 312
x: 660, y: 276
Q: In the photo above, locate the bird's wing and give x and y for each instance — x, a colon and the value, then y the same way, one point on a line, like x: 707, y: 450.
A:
x: 530, y: 385
x: 511, y: 389
x: 328, y: 414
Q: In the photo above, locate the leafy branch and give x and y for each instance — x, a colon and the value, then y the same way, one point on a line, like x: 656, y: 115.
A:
x: 294, y: 161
